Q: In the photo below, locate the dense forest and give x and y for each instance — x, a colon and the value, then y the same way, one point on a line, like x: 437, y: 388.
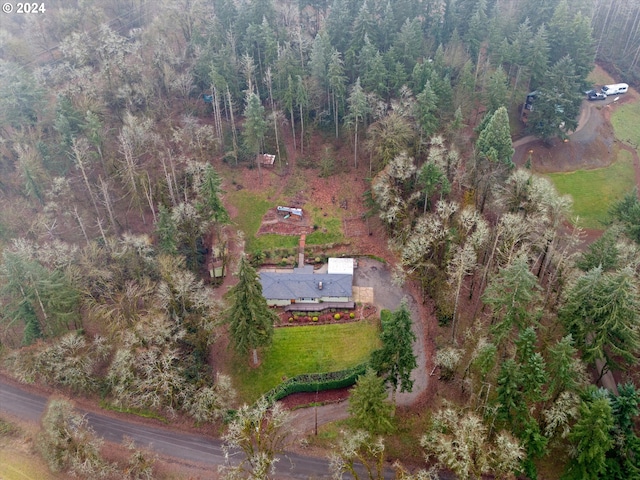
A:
x: 117, y: 119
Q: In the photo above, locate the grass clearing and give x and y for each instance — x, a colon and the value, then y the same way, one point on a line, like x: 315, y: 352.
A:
x: 329, y: 228
x: 594, y: 191
x: 18, y: 458
x: 625, y: 120
x: 599, y: 76
x: 306, y: 349
x: 18, y: 465
x: 254, y: 206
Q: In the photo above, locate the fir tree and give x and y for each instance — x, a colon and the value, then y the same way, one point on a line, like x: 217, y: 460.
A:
x: 368, y: 405
x: 250, y: 319
x: 396, y: 360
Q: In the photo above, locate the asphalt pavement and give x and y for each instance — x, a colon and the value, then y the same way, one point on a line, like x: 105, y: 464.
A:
x: 197, y: 451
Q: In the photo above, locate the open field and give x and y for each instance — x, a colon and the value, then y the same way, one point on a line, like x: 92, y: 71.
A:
x: 312, y: 349
x: 17, y: 465
x: 625, y: 120
x: 594, y: 191
x: 18, y: 459
x: 254, y: 205
x: 599, y: 77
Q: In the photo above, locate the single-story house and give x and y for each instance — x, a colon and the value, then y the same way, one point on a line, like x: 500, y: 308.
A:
x: 303, y: 286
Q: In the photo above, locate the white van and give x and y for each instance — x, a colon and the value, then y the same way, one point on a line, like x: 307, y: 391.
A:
x: 615, y: 89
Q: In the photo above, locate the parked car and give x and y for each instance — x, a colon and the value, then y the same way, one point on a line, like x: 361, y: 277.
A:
x: 596, y: 96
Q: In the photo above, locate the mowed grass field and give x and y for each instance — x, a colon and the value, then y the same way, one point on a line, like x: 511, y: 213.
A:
x: 625, y: 120
x: 306, y: 349
x: 594, y: 191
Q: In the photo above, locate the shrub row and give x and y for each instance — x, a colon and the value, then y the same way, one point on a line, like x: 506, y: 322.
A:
x: 316, y: 382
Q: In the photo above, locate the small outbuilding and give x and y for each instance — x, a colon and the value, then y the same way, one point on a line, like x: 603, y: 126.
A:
x: 340, y: 266
x: 266, y: 159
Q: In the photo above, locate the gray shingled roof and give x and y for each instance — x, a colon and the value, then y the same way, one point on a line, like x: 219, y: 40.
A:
x: 289, y: 286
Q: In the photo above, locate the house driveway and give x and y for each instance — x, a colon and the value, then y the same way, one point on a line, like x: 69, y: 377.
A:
x: 374, y: 277
x: 377, y: 275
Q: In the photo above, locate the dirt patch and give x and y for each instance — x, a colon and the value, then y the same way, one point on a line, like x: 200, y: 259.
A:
x: 355, y: 227
x: 297, y: 400
x: 275, y: 222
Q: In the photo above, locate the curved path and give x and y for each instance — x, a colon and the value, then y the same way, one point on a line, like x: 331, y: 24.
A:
x: 196, y: 451
x: 585, y: 117
x: 372, y: 273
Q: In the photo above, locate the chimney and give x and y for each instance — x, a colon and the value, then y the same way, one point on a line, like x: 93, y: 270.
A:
x: 319, y: 285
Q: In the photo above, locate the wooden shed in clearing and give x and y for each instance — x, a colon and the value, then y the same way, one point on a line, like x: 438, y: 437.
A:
x: 266, y: 159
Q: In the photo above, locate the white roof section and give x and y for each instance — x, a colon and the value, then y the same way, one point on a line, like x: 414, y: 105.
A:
x: 343, y: 266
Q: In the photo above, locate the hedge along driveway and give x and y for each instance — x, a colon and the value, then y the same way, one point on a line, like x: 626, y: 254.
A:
x: 308, y: 349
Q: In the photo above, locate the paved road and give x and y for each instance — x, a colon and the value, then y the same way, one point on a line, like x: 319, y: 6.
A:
x: 196, y: 450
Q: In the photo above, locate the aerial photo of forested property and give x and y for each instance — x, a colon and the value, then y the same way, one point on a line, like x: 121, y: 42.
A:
x: 314, y: 239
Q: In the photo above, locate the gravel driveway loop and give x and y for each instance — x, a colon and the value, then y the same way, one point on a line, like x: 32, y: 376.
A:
x: 372, y: 273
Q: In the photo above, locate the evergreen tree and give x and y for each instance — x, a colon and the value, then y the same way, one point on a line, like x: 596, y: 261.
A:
x: 602, y: 312
x: 46, y: 301
x: 358, y: 110
x: 566, y: 372
x: 250, y: 319
x: 431, y: 178
x: 591, y: 438
x: 364, y: 26
x: 408, y: 44
x: 497, y: 91
x: 624, y: 460
x: 339, y: 24
x: 337, y: 81
x: 368, y: 405
x: 494, y: 142
x: 255, y: 124
x: 166, y: 231
x: 627, y: 212
x: 557, y: 103
x: 395, y: 360
x: 210, y: 194
x: 538, y: 61
x: 425, y: 108
x: 513, y: 294
x: 601, y: 253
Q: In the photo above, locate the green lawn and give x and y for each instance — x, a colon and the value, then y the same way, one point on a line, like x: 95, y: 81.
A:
x: 306, y: 349
x: 594, y: 191
x: 625, y: 120
x: 253, y: 207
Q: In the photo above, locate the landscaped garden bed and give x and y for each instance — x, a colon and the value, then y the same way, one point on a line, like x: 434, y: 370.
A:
x: 326, y: 317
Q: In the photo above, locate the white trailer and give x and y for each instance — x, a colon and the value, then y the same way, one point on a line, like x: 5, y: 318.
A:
x: 290, y: 210
x: 615, y: 89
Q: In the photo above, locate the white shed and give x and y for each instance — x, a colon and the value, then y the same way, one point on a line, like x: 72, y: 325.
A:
x: 342, y: 266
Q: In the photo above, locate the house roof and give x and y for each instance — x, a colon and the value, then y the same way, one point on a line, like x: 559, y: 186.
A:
x: 340, y: 265
x: 290, y: 286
